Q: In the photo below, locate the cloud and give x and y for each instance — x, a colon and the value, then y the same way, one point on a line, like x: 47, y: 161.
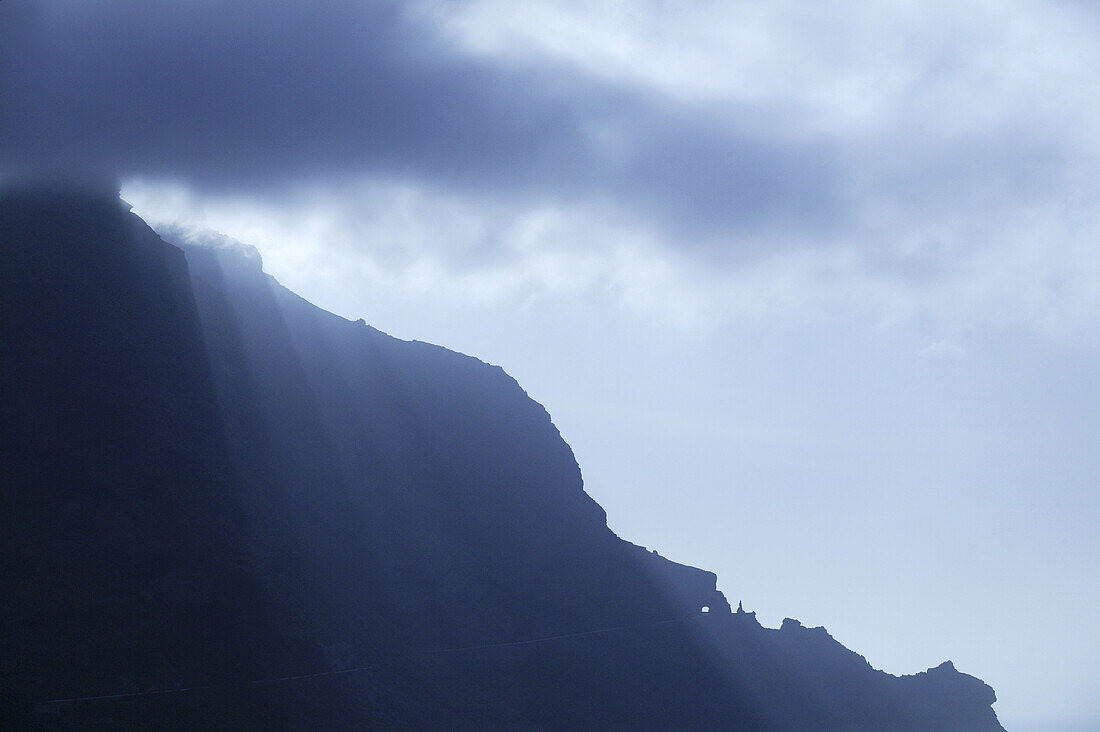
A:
x: 258, y: 95
x: 716, y: 160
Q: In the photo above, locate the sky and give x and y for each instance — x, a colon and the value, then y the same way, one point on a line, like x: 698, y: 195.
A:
x: 812, y: 289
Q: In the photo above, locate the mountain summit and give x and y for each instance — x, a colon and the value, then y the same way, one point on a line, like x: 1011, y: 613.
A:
x: 226, y: 507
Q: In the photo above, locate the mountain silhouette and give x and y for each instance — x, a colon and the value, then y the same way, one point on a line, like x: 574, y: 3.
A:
x: 224, y: 507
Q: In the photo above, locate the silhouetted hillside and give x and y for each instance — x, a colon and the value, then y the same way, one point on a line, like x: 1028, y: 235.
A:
x: 209, y: 482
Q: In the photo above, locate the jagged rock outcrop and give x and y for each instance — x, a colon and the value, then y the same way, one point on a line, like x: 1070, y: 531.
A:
x: 210, y: 481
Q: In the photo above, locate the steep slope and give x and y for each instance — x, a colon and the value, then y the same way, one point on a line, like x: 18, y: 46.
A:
x: 211, y: 482
x: 459, y: 498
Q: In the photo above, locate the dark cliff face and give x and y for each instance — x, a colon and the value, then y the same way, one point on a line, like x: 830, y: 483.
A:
x: 121, y: 563
x: 211, y: 479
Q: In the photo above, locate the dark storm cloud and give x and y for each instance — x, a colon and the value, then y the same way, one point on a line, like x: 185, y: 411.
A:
x: 252, y: 96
